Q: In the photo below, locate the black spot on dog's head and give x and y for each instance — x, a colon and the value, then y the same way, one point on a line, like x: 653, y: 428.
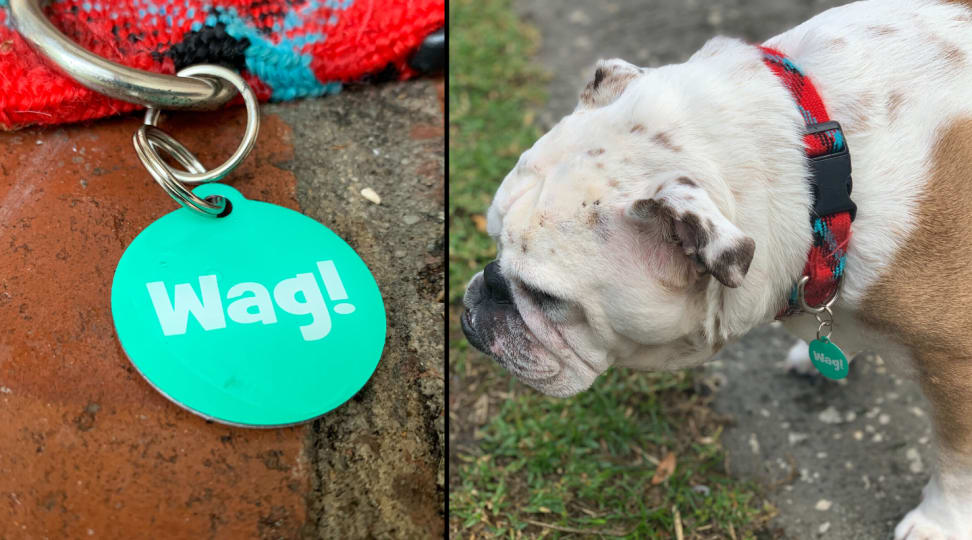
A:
x: 598, y: 77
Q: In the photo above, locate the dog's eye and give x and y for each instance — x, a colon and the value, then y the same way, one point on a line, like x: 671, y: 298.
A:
x: 545, y: 300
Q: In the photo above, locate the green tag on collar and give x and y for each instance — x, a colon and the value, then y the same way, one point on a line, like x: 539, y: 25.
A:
x: 829, y: 360
x: 260, y: 318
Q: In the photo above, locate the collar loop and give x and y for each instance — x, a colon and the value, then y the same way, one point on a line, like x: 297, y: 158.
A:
x: 830, y: 183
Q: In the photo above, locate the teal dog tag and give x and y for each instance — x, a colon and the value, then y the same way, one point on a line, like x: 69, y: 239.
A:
x: 828, y: 359
x: 261, y: 318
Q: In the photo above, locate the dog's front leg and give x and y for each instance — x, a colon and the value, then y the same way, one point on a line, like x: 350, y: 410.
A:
x: 945, y: 511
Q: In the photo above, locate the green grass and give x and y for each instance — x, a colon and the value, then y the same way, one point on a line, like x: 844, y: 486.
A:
x: 587, y: 464
x: 493, y: 91
x: 521, y: 464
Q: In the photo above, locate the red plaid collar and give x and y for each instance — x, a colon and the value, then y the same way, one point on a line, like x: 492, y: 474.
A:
x: 833, y: 210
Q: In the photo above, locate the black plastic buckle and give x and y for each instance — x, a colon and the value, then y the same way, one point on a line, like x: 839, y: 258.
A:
x: 831, y: 177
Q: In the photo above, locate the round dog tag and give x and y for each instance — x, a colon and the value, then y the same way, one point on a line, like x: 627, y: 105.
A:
x: 260, y: 318
x: 828, y: 359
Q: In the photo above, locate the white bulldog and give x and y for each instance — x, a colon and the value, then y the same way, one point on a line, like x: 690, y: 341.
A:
x: 668, y: 214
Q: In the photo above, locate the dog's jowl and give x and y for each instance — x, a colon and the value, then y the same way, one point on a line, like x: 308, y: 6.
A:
x: 679, y: 207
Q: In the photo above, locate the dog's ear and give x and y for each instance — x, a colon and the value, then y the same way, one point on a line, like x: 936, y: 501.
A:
x: 611, y: 77
x: 687, y: 217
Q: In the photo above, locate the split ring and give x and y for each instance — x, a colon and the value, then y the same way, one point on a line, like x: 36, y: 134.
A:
x: 249, y: 133
x: 148, y: 139
x: 829, y: 325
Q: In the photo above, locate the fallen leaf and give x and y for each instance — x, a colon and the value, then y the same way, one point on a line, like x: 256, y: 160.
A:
x: 528, y: 118
x: 665, y: 469
x: 480, y: 222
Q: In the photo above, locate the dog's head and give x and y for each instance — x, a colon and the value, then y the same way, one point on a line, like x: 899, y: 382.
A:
x: 617, y: 233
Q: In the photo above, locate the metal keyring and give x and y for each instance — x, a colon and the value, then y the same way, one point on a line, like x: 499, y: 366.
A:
x: 249, y: 134
x: 152, y: 138
x: 110, y: 78
x: 829, y: 324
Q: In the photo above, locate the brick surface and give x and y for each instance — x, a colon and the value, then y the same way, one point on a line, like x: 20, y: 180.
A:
x: 87, y: 447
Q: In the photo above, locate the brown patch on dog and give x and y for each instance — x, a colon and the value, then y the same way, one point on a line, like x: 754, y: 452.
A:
x: 598, y: 77
x: 608, y: 84
x: 894, y: 102
x: 594, y: 152
x: 598, y: 220
x: 645, y: 208
x: 595, y: 219
x: 952, y: 53
x: 663, y: 139
x: 882, y: 30
x: 838, y: 43
x: 638, y: 128
x: 922, y: 297
x: 965, y: 17
x: 702, y: 234
x: 612, y: 182
x: 599, y: 165
x: 949, y: 51
x: 857, y: 118
x: 686, y: 181
x: 692, y: 234
x: 733, y: 262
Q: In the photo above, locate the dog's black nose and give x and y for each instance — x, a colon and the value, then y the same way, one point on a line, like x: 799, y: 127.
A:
x: 497, y: 288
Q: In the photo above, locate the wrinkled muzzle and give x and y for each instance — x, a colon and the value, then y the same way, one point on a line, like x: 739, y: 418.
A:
x: 488, y: 295
x: 493, y: 324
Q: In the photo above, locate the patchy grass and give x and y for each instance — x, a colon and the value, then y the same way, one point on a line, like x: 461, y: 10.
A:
x: 524, y: 465
x: 493, y: 91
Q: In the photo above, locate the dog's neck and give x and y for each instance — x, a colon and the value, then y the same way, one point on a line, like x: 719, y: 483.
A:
x: 752, y: 133
x: 830, y: 181
x: 757, y: 130
x: 765, y: 167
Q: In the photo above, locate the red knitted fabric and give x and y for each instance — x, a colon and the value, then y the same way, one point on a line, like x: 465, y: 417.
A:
x: 286, y: 49
x: 831, y: 234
